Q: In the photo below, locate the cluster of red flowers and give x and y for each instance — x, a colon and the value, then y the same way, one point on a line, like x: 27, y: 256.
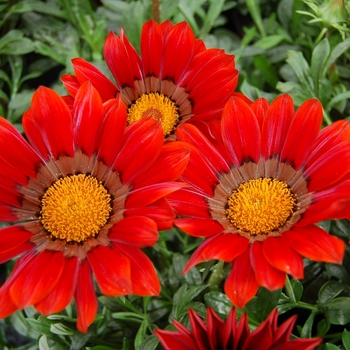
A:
x: 168, y: 143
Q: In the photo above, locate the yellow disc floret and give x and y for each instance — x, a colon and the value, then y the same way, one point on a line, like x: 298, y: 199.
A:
x: 260, y: 206
x: 157, y: 106
x: 75, y: 208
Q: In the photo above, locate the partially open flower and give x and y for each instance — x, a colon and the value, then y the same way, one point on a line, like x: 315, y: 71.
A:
x: 175, y: 80
x: 258, y: 187
x: 87, y: 194
x: 233, y: 334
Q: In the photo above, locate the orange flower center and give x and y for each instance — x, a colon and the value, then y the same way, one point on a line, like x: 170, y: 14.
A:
x: 260, y: 206
x: 75, y: 208
x: 157, y: 106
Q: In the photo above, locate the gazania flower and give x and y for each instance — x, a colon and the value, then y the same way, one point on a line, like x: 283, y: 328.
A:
x: 175, y: 80
x: 258, y: 187
x: 233, y: 335
x: 87, y: 195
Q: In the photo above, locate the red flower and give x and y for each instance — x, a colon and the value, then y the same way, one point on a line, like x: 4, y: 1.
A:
x: 233, y: 335
x: 175, y: 79
x: 258, y: 187
x: 87, y: 195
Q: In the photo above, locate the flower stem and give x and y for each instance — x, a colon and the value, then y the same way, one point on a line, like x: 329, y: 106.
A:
x: 156, y: 10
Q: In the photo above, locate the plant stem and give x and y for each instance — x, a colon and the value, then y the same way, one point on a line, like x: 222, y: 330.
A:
x: 156, y: 10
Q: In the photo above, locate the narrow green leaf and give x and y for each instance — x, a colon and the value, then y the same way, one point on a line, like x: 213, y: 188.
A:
x: 219, y: 302
x: 337, y: 52
x: 150, y: 343
x: 213, y: 13
x: 346, y: 339
x: 270, y: 41
x: 141, y: 333
x: 306, y: 331
x: 43, y: 345
x: 255, y: 12
x: 318, y: 60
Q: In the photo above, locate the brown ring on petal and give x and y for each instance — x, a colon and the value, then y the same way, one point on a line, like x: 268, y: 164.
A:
x: 264, y: 169
x: 48, y: 174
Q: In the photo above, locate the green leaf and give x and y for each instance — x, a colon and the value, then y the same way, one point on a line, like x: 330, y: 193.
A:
x: 337, y: 52
x: 141, y: 333
x: 318, y: 60
x: 254, y: 10
x: 13, y: 43
x: 270, y: 41
x: 329, y: 291
x: 306, y: 331
x: 337, y: 311
x: 322, y: 327
x: 43, y: 345
x: 302, y: 70
x: 150, y: 343
x: 330, y: 346
x: 219, y: 302
x: 265, y: 302
x: 338, y: 271
x: 346, y: 339
x: 297, y: 289
x: 183, y: 297
x: 213, y: 13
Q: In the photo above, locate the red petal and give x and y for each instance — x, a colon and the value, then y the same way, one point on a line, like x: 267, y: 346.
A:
x: 86, y: 71
x: 85, y: 297
x: 316, y: 244
x: 71, y: 83
x: 62, y: 294
x: 175, y: 341
x: 240, y: 132
x: 14, y: 240
x: 178, y: 51
x: 142, y: 146
x: 199, y: 331
x: 189, y: 133
x: 113, y: 128
x: 260, y: 107
x: 330, y: 167
x: 224, y: 247
x: 266, y: 275
x: 87, y: 118
x: 199, y: 227
x: 111, y: 270
x: 15, y: 151
x: 199, y: 173
x: 52, y: 120
x: 303, y: 132
x: 214, y: 325
x: 240, y: 285
x: 189, y: 203
x: 160, y: 212
x: 152, y: 44
x: 149, y: 194
x: 329, y: 137
x: 136, y: 231
x: 144, y: 278
x: 122, y: 59
x: 275, y: 126
x: 36, y: 277
x: 302, y: 344
x: 279, y: 254
x: 169, y: 165
x: 327, y: 204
